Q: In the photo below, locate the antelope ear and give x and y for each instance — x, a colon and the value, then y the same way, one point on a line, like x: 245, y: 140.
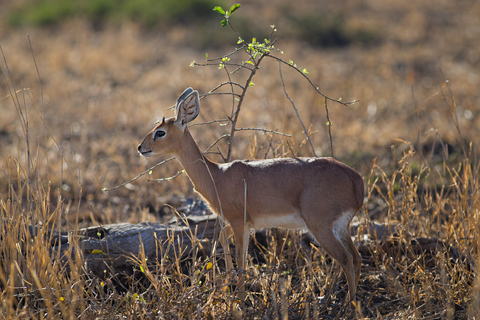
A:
x: 188, y: 107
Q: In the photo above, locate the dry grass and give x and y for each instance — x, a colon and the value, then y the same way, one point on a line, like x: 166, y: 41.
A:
x: 102, y: 90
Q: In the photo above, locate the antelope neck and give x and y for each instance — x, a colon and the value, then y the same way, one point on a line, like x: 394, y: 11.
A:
x: 201, y: 171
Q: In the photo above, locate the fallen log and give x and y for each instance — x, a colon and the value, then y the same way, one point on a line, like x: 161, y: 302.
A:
x: 114, y: 249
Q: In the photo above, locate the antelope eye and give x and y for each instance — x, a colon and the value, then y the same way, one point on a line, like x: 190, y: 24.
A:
x: 158, y: 134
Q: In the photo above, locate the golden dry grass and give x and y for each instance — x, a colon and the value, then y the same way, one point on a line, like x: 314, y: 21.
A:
x: 102, y: 91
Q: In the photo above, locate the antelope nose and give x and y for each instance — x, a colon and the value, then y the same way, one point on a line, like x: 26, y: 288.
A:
x: 139, y: 146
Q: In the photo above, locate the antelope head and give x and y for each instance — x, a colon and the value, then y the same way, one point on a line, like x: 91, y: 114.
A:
x: 166, y: 137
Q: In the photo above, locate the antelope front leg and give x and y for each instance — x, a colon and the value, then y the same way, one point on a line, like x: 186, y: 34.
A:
x: 242, y: 237
x: 223, y: 237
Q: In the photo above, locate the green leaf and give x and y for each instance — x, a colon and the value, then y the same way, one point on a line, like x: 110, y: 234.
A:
x: 206, y: 55
x: 224, y: 22
x: 233, y: 8
x: 219, y: 10
x: 96, y: 251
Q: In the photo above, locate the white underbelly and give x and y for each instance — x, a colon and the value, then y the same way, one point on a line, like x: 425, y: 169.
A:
x: 290, y: 221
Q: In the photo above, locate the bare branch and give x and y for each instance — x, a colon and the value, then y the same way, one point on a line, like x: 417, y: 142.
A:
x: 222, y: 93
x: 234, y: 30
x: 209, y: 122
x: 221, y: 154
x: 239, y: 66
x: 296, y: 111
x: 221, y: 85
x: 216, y: 141
x: 264, y: 130
x: 231, y: 89
x: 239, y: 106
x: 329, y: 125
x: 169, y: 178
x: 311, y: 83
x: 141, y: 174
x: 228, y: 54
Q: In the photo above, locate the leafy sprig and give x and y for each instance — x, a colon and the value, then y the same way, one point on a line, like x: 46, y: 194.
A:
x: 226, y: 14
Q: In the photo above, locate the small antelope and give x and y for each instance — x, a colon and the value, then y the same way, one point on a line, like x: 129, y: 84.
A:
x: 318, y: 194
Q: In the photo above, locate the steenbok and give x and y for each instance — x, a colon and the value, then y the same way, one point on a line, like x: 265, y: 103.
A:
x: 318, y: 194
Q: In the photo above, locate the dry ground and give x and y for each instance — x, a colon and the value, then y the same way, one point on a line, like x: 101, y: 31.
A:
x: 101, y: 90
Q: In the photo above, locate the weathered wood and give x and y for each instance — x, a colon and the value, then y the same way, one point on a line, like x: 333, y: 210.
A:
x: 113, y: 248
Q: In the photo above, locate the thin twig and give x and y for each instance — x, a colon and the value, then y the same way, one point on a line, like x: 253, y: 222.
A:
x: 216, y: 141
x: 296, y: 111
x: 228, y: 54
x: 209, y: 122
x: 222, y: 93
x: 211, y: 93
x: 212, y: 152
x: 311, y: 83
x: 219, y: 152
x: 234, y: 30
x: 141, y: 174
x: 232, y: 91
x: 169, y: 178
x: 264, y: 130
x: 244, y: 65
x: 329, y: 125
x: 230, y: 82
x: 239, y: 66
